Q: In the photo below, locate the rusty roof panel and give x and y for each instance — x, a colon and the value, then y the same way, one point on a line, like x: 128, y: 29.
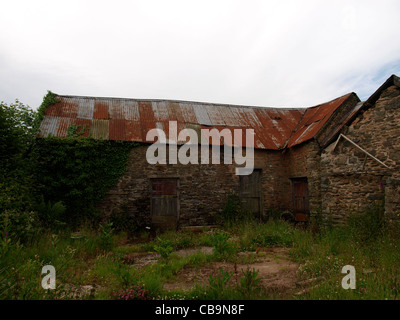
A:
x: 100, y: 129
x: 130, y: 110
x: 85, y: 108
x: 69, y: 107
x: 133, y: 131
x: 215, y: 115
x: 145, y: 111
x: 101, y: 108
x: 48, y: 126
x: 227, y: 115
x: 63, y: 126
x: 116, y: 129
x: 201, y: 115
x: 175, y: 112
x: 343, y: 121
x: 130, y: 119
x: 238, y: 120
x: 160, y: 111
x: 146, y: 126
x: 115, y: 109
x: 187, y: 113
x: 83, y: 124
x: 314, y: 119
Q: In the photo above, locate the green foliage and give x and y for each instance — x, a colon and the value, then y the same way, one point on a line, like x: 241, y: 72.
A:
x: 106, y: 236
x: 233, y: 210
x: 223, y: 249
x: 15, y: 140
x: 75, y: 131
x: 219, y: 285
x: 368, y: 225
x: 49, y: 99
x: 50, y: 214
x: 124, y: 220
x: 78, y: 172
x: 164, y: 247
x: 250, y: 282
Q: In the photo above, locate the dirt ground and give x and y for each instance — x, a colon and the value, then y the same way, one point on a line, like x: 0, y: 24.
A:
x: 277, y: 271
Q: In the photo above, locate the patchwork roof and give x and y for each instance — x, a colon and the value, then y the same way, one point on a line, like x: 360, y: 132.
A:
x: 131, y: 119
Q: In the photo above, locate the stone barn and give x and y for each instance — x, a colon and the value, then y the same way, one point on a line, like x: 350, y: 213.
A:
x: 332, y: 159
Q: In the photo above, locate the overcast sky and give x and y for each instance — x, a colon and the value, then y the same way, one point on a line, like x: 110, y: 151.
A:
x: 257, y: 53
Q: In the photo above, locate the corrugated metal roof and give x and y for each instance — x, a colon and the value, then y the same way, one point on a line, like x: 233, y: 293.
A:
x: 314, y: 119
x: 131, y: 119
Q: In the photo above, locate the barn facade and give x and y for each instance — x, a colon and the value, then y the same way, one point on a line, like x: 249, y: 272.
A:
x: 331, y: 159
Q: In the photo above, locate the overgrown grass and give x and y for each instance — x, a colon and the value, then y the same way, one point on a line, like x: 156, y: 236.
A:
x: 102, y: 258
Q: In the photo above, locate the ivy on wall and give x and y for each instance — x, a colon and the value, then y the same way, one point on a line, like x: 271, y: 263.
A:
x: 79, y: 171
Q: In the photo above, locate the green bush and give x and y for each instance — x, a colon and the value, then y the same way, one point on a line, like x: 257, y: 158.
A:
x: 106, y: 236
x: 164, y: 247
x: 222, y: 247
x: 51, y: 214
x: 368, y: 225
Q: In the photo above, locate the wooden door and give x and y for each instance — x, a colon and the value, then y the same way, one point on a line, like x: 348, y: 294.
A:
x: 300, y: 199
x: 250, y: 192
x: 164, y: 203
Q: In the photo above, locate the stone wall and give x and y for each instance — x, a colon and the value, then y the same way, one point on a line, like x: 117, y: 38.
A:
x: 203, y: 189
x: 350, y: 180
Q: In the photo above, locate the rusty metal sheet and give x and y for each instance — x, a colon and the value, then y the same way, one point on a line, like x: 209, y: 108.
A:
x: 314, y: 119
x: 100, y: 129
x: 238, y: 120
x: 83, y: 124
x: 101, y: 109
x: 63, y: 126
x: 145, y: 111
x: 146, y: 126
x: 160, y: 111
x: 133, y: 131
x: 117, y: 129
x: 201, y: 115
x: 49, y: 126
x: 188, y: 113
x: 131, y: 119
x: 250, y: 117
x: 85, y: 108
x: 214, y: 115
x: 130, y: 110
x: 175, y: 112
x: 68, y: 107
x: 343, y: 121
x: 227, y: 115
x: 115, y: 110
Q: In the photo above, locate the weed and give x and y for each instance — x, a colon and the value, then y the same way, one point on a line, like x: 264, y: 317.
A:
x: 164, y: 248
x: 106, y: 236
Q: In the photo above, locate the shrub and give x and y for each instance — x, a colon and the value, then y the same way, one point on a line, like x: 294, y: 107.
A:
x: 106, y: 236
x: 250, y: 282
x: 219, y: 288
x: 51, y: 214
x: 368, y: 225
x: 163, y: 247
x: 222, y: 248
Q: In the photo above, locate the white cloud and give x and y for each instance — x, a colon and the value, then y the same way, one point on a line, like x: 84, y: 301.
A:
x: 267, y: 53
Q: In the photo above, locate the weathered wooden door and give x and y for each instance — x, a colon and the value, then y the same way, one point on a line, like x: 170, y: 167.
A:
x: 300, y: 199
x: 164, y: 203
x: 250, y: 192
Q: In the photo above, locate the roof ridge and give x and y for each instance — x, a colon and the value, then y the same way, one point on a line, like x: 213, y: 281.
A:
x: 181, y: 101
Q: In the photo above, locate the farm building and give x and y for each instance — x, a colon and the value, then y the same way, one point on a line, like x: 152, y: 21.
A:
x: 331, y: 159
